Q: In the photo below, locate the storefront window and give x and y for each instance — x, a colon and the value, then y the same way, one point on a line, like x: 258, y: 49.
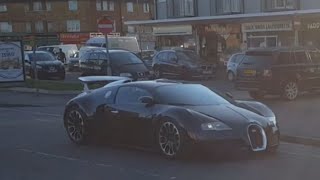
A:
x: 180, y: 8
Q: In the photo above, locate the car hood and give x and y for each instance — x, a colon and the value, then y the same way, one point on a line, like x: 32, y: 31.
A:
x: 49, y: 63
x: 132, y: 68
x: 231, y: 115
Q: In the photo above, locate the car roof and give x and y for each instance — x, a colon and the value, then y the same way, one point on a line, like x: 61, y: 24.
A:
x: 278, y: 49
x: 31, y: 52
x: 152, y: 84
x: 110, y: 50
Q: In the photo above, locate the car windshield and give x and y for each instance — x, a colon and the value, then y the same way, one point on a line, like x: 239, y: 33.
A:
x: 188, y: 55
x: 41, y: 57
x: 124, y: 58
x: 257, y: 59
x: 188, y: 94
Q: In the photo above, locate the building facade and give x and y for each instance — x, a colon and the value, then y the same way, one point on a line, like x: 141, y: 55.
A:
x: 67, y: 21
x: 217, y: 27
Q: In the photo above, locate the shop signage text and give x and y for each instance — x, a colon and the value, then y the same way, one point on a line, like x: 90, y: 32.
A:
x: 315, y: 25
x: 267, y: 26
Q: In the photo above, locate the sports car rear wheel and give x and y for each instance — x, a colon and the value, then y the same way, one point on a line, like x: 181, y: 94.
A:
x: 170, y: 139
x: 76, y: 126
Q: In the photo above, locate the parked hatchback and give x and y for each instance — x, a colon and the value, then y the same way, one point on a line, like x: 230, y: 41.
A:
x: 122, y: 63
x: 47, y: 66
x: 182, y: 63
x: 232, y: 65
x: 282, y: 71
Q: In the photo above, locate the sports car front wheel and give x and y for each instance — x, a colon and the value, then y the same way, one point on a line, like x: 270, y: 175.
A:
x: 170, y: 139
x: 75, y: 124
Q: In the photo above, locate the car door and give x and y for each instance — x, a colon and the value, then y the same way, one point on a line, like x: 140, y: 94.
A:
x: 174, y: 66
x: 103, y: 63
x: 315, y: 58
x: 93, y: 62
x: 133, y: 119
x: 305, y: 69
x: 162, y: 62
x: 27, y: 64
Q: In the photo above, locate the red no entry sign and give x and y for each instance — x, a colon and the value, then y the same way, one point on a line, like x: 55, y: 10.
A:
x: 105, y: 25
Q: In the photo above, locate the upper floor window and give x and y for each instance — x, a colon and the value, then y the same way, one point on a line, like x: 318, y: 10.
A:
x: 5, y: 27
x: 48, y: 6
x: 146, y: 8
x: 3, y: 8
x: 129, y: 6
x: 73, y: 25
x: 229, y: 6
x: 105, y: 5
x: 50, y: 27
x: 40, y: 5
x: 39, y: 26
x: 180, y: 8
x: 73, y: 5
x: 37, y: 6
x: 28, y: 27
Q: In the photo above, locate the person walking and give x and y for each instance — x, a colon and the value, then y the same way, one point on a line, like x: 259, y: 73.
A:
x: 61, y: 56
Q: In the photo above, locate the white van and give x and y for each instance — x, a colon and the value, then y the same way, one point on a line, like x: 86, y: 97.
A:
x: 68, y: 49
x: 121, y: 42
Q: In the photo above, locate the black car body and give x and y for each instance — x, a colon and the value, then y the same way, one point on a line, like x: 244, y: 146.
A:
x: 122, y: 63
x: 182, y: 63
x: 73, y: 64
x: 46, y: 65
x: 284, y: 71
x: 153, y: 113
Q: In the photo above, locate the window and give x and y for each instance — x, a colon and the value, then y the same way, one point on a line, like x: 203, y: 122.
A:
x: 37, y: 6
x: 130, y: 95
x: 5, y: 27
x: 73, y: 25
x: 48, y: 6
x: 73, y: 5
x: 180, y: 8
x: 229, y: 6
x: 94, y: 56
x: 103, y: 56
x: 50, y: 26
x: 146, y: 7
x: 301, y: 57
x: 162, y: 56
x: 3, y: 8
x: 171, y: 57
x: 239, y: 58
x: 124, y: 58
x: 39, y: 26
x: 105, y: 5
x: 129, y: 6
x: 284, y: 58
x: 283, y: 4
x: 28, y: 27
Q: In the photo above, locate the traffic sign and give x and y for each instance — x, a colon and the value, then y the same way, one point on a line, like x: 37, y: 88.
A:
x: 105, y: 25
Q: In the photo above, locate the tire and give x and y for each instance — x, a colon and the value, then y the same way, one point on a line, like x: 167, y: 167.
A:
x: 290, y: 90
x: 272, y: 150
x: 170, y: 139
x: 76, y: 126
x: 258, y: 95
x: 230, y: 76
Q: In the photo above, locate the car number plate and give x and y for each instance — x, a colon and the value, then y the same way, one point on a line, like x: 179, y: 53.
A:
x: 207, y: 72
x: 250, y: 72
x: 52, y: 70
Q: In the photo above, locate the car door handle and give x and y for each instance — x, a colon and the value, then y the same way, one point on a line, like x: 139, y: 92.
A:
x: 114, y: 111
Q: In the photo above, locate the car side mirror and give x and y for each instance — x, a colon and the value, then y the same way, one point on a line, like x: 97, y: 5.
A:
x: 229, y: 95
x: 147, y: 100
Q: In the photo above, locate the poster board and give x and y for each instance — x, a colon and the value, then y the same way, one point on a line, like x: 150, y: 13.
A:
x: 11, y: 62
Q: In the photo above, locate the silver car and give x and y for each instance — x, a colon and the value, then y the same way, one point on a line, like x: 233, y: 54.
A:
x: 232, y: 65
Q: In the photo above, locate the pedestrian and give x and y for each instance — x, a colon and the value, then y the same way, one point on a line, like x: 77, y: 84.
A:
x: 61, y: 56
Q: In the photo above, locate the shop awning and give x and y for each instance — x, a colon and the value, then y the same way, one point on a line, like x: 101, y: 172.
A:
x: 264, y: 16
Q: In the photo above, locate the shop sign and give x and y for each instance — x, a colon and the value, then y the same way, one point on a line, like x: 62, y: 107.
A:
x: 312, y: 26
x: 11, y: 62
x: 74, y: 37
x: 172, y: 30
x: 267, y: 26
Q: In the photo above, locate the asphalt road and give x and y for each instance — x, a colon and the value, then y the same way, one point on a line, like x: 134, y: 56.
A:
x: 34, y: 146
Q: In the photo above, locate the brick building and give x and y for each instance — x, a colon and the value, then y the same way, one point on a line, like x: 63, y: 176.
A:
x: 67, y: 21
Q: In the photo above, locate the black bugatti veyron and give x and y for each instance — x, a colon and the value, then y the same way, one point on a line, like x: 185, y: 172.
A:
x: 169, y: 116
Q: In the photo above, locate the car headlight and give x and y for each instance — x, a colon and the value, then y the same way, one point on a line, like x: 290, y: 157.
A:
x: 272, y: 119
x: 39, y: 67
x: 125, y: 74
x: 215, y: 126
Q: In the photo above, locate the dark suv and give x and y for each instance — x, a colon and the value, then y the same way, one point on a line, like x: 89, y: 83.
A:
x: 181, y: 63
x: 122, y: 63
x: 284, y: 71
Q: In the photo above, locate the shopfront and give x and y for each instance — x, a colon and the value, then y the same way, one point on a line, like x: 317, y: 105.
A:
x: 309, y: 34
x: 74, y: 38
x: 174, y: 36
x: 268, y: 34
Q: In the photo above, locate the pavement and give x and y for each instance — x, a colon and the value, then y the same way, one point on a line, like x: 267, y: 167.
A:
x: 34, y: 146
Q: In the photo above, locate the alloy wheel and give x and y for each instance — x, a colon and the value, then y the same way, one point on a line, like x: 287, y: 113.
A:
x: 75, y: 126
x: 157, y: 73
x: 291, y: 90
x: 169, y: 139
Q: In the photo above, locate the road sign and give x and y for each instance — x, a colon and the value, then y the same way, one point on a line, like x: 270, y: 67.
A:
x: 105, y: 25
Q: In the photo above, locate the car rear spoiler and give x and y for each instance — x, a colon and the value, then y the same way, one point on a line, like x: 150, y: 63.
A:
x: 100, y: 79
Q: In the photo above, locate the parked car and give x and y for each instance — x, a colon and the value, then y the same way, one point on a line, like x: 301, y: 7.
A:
x: 122, y: 63
x: 147, y: 57
x: 182, y: 63
x: 169, y: 117
x: 73, y: 64
x: 232, y: 65
x: 283, y: 71
x: 46, y: 65
x: 68, y: 49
